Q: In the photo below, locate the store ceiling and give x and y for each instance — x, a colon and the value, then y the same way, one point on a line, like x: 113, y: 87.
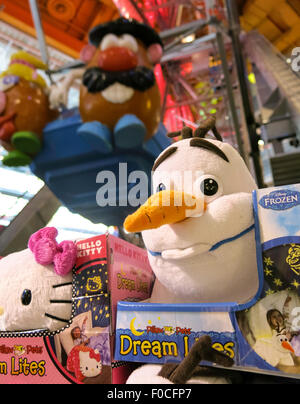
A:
x: 66, y: 22
x: 278, y: 21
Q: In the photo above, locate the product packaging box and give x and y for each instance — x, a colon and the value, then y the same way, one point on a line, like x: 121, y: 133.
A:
x: 262, y: 335
x: 107, y: 270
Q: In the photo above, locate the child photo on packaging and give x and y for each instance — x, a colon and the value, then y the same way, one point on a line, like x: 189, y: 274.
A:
x: 271, y: 328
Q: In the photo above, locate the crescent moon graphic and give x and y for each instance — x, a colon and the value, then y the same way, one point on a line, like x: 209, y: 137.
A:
x: 133, y: 330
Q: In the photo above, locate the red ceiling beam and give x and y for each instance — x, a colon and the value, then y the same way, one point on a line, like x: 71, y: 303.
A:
x: 22, y: 19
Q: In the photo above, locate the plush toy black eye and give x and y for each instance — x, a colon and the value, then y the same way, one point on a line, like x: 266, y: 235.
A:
x: 161, y: 187
x: 209, y: 187
x: 26, y: 297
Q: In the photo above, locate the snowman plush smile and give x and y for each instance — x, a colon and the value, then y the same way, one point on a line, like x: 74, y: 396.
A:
x: 201, y: 250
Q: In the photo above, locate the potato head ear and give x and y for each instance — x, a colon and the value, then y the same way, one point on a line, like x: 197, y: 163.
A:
x: 87, y: 53
x: 155, y: 53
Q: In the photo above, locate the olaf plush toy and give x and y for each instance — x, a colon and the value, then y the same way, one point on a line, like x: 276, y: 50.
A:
x: 198, y: 226
x: 36, y: 284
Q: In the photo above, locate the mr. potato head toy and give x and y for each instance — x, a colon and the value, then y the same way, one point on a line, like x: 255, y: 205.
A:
x: 24, y: 109
x: 119, y: 97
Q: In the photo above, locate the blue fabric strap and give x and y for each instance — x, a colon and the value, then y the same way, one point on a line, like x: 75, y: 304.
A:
x: 228, y: 240
x: 217, y: 245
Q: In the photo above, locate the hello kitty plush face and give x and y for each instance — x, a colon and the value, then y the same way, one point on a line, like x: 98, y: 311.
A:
x: 84, y: 362
x: 36, y: 285
x: 90, y: 366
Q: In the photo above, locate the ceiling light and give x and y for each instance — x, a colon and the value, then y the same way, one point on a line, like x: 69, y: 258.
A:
x: 189, y: 38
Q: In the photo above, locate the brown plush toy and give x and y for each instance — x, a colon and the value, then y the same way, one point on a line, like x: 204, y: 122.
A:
x: 24, y: 109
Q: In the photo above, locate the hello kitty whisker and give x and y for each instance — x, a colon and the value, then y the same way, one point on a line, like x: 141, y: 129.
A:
x: 56, y: 318
x: 60, y: 285
x: 61, y: 301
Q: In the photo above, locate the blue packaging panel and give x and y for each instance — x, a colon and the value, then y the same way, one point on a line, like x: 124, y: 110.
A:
x: 262, y: 337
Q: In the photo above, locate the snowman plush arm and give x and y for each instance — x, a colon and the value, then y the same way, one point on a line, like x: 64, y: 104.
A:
x: 201, y: 350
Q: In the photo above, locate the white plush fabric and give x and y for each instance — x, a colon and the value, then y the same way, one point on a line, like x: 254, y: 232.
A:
x: 148, y: 374
x: 187, y: 271
x: 18, y: 272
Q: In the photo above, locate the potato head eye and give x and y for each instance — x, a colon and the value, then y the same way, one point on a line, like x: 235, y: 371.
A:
x: 26, y: 297
x: 128, y: 41
x: 8, y: 82
x: 109, y: 41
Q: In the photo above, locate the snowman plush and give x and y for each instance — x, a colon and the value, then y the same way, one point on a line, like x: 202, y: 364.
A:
x: 198, y: 226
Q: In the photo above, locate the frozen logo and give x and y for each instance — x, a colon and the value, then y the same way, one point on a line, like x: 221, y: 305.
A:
x: 280, y: 200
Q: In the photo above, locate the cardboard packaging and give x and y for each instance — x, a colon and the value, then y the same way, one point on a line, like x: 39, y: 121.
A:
x: 262, y: 335
x: 107, y: 270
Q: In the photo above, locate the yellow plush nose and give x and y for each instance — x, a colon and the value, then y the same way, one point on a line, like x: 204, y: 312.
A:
x: 1, y: 311
x: 165, y: 207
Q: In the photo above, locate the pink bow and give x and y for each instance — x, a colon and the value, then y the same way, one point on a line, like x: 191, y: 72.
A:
x: 47, y: 251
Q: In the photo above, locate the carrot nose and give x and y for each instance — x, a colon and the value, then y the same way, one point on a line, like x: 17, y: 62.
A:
x: 287, y: 346
x: 165, y: 207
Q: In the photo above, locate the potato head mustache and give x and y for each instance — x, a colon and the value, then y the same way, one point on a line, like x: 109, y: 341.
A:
x: 96, y: 80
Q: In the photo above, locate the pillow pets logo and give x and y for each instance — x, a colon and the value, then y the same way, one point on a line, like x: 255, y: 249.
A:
x: 280, y: 200
x: 19, y: 364
x: 166, y: 330
x: 19, y: 350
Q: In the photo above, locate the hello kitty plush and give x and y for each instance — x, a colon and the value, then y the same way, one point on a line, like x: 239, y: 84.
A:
x: 84, y: 362
x: 36, y: 284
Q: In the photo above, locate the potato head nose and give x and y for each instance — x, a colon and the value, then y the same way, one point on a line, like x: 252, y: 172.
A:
x: 1, y: 311
x: 116, y: 59
x: 165, y: 207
